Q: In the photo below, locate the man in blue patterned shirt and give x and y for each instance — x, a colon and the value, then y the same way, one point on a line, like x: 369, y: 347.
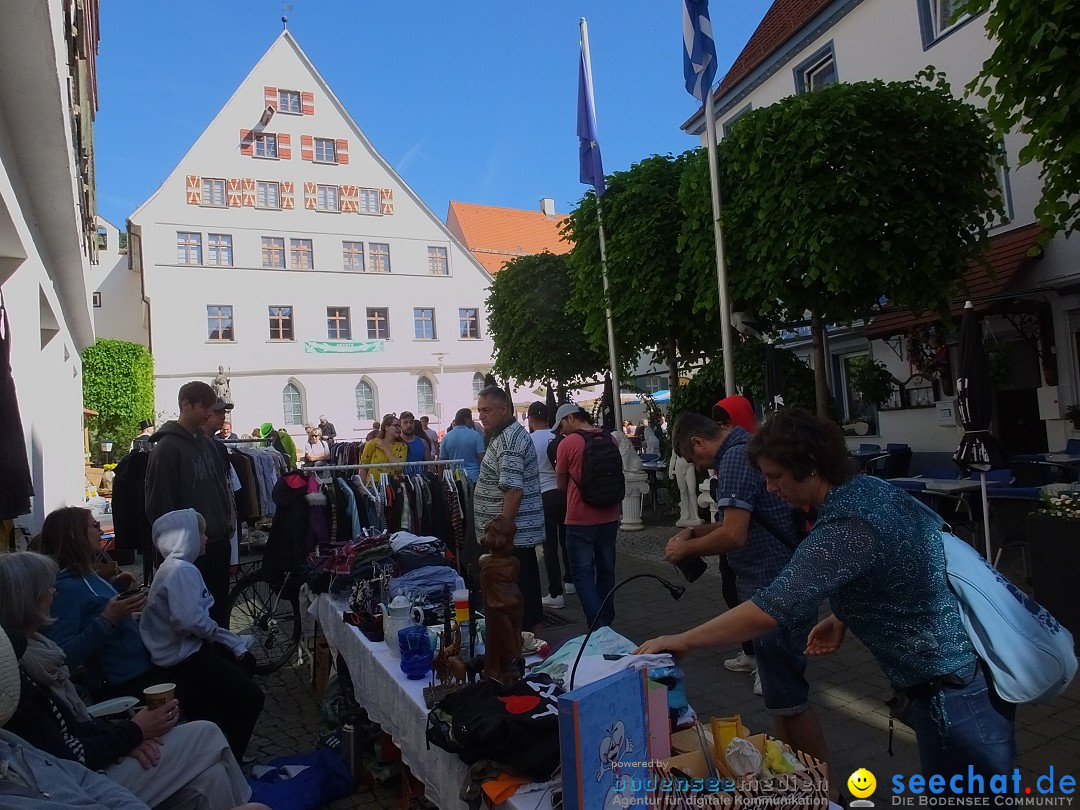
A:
x: 758, y: 536
x: 509, y: 485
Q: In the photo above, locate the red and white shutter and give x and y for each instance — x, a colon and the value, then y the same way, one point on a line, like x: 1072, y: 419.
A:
x: 309, y: 196
x: 270, y: 97
x: 350, y: 199
x: 342, y: 149
x: 247, y: 193
x: 247, y: 142
x: 307, y: 103
x: 194, y: 189
x: 287, y: 191
x: 386, y: 201
x: 284, y: 146
x: 234, y: 197
x: 307, y: 147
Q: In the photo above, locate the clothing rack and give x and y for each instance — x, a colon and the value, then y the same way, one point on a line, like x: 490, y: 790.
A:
x: 452, y: 462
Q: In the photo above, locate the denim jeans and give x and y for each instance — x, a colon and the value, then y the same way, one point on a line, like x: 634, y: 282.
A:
x: 965, y: 726
x: 592, y: 562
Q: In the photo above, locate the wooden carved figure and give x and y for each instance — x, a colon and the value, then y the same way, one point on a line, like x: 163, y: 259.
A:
x: 503, y: 602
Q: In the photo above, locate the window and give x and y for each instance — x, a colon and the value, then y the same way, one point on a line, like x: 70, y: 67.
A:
x: 424, y: 321
x: 266, y: 146
x: 325, y: 151
x: 188, y: 248
x: 655, y: 383
x: 219, y: 322
x: 289, y: 101
x: 1004, y: 190
x: 860, y: 418
x: 437, y: 261
x: 735, y: 118
x: 477, y: 384
x: 213, y: 192
x: 97, y: 299
x: 337, y: 324
x: 267, y: 194
x: 369, y: 201
x: 300, y: 254
x: 327, y: 199
x: 378, y: 323
x: 219, y: 249
x: 817, y: 72
x: 102, y: 239
x: 469, y: 320
x: 380, y: 257
x: 292, y: 404
x: 365, y: 402
x: 352, y: 256
x: 936, y: 19
x: 425, y: 396
x: 273, y: 252
x: 281, y: 323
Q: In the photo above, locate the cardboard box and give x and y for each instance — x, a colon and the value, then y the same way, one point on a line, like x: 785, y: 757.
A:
x: 321, y: 662
x: 659, y: 723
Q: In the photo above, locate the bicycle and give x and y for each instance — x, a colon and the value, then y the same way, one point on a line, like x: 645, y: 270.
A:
x: 270, y: 621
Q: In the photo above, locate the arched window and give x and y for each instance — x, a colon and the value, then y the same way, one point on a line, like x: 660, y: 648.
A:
x: 365, y: 401
x: 293, y: 405
x: 425, y: 396
x: 477, y: 384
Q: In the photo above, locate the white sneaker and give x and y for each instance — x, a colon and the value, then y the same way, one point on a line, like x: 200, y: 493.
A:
x: 568, y: 588
x: 556, y: 602
x: 741, y: 663
x: 757, y: 683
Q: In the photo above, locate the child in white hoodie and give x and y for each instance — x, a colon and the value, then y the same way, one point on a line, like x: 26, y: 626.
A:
x: 178, y: 632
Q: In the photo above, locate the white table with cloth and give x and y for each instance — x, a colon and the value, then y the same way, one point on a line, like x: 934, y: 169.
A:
x: 397, y: 705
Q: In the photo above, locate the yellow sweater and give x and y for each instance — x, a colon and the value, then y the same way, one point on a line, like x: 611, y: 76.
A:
x: 374, y: 454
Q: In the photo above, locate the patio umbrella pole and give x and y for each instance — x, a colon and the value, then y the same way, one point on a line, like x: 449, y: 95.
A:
x: 986, y: 519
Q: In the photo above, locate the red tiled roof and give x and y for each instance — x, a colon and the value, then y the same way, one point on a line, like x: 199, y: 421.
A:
x: 1007, y: 255
x: 495, y: 235
x: 784, y: 19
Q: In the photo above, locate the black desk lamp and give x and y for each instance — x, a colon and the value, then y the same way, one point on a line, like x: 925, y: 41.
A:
x: 676, y: 592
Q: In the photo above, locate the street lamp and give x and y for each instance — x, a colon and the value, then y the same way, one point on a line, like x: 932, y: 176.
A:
x: 106, y: 448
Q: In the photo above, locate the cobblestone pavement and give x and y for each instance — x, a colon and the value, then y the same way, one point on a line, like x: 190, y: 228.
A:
x: 848, y: 689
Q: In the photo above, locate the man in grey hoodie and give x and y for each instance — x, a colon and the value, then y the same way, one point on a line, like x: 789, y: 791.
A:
x: 186, y: 471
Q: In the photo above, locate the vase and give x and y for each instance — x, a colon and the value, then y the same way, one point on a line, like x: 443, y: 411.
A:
x: 1054, y: 544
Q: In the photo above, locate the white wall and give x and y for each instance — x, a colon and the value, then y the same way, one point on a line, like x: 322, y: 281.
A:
x: 121, y: 314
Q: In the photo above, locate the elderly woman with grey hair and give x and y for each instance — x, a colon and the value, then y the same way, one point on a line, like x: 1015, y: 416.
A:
x: 161, y: 763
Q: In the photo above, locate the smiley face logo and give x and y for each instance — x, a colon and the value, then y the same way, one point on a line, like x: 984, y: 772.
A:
x: 861, y: 783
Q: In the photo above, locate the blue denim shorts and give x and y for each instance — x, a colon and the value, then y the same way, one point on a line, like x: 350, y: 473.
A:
x: 782, y: 669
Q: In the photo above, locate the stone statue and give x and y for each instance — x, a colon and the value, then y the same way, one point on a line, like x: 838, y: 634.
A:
x: 220, y: 384
x: 503, y: 602
x: 651, y: 440
x: 686, y: 477
x: 637, y: 483
x: 705, y: 499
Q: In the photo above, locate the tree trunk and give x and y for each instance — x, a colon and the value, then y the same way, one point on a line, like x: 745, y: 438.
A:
x: 671, y: 354
x: 821, y: 387
x: 560, y: 389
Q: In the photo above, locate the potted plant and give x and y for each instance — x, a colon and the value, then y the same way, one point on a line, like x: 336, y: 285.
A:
x: 1054, y: 545
x: 1072, y: 413
x: 871, y: 381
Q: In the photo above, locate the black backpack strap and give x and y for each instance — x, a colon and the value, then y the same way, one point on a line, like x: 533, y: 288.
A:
x: 770, y: 527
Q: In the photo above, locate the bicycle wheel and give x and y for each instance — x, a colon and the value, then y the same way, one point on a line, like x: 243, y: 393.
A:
x: 269, y: 622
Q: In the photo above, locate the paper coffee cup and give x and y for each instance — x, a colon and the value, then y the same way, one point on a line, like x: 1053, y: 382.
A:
x: 159, y: 694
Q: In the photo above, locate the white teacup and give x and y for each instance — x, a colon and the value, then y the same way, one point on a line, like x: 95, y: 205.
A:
x: 528, y: 640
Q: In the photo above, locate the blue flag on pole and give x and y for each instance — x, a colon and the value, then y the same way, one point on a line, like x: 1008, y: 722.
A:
x: 699, y: 50
x: 592, y: 168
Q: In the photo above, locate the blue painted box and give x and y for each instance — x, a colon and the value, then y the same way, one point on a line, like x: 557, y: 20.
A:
x: 604, y: 741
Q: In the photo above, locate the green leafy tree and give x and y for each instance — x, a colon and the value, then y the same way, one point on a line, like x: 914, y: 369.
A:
x: 1032, y: 82
x: 118, y: 383
x: 536, y: 338
x: 657, y: 300
x: 835, y: 198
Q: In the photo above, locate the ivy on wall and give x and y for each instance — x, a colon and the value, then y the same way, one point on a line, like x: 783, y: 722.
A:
x: 118, y: 383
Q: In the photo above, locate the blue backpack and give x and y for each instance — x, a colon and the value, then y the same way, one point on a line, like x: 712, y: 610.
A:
x: 1029, y: 654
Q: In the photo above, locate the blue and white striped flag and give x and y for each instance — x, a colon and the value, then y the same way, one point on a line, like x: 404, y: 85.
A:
x: 699, y: 50
x: 592, y: 168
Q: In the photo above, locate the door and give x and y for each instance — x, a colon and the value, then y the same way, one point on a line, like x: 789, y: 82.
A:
x: 1019, y: 427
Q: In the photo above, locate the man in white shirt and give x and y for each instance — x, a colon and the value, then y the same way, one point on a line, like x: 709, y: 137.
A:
x: 554, y: 510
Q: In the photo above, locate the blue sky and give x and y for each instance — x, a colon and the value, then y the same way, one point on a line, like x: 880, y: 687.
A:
x: 471, y: 100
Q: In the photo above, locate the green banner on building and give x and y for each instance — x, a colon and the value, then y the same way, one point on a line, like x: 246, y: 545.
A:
x: 344, y: 346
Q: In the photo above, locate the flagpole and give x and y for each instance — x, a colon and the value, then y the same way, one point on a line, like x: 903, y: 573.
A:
x: 616, y: 389
x: 721, y: 272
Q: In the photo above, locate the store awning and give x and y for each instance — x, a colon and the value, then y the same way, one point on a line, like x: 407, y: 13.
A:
x: 1007, y: 256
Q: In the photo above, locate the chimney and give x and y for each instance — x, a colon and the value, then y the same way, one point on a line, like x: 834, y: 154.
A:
x: 547, y: 205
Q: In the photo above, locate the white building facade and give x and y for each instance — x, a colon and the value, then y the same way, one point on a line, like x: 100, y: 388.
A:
x: 284, y: 248
x: 48, y: 99
x: 119, y: 310
x: 802, y: 46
